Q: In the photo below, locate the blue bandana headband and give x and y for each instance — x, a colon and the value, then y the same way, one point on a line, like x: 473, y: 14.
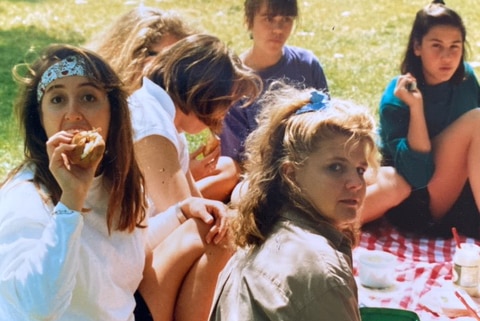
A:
x: 70, y: 66
x: 318, y: 101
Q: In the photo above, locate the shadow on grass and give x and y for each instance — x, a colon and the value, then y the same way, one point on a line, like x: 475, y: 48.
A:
x: 15, y: 45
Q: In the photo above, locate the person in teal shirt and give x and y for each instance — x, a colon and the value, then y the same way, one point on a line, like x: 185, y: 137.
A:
x: 430, y: 128
x: 443, y: 103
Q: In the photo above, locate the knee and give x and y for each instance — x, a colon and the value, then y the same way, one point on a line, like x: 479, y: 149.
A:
x: 388, y: 173
x: 475, y: 113
x: 195, y: 236
x: 193, y: 232
x: 195, y: 226
x: 389, y: 179
x: 472, y: 117
x: 229, y: 167
x: 237, y: 193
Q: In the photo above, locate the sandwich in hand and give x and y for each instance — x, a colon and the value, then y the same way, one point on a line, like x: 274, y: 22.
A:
x: 89, y: 148
x: 212, y: 142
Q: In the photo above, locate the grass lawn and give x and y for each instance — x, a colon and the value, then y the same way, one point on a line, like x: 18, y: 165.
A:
x: 358, y: 42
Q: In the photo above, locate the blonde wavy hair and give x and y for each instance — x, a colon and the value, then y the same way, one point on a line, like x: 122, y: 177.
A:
x: 285, y: 137
x: 128, y: 42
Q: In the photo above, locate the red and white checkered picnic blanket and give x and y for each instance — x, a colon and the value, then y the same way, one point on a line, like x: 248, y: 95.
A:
x: 423, y: 264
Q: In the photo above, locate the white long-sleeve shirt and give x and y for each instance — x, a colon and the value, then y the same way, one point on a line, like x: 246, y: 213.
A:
x: 64, y: 266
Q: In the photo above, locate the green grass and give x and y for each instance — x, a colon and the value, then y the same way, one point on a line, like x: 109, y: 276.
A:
x: 358, y: 42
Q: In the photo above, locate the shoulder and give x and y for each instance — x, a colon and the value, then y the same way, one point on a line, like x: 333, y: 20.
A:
x: 301, y: 66
x: 19, y: 182
x: 392, y: 82
x: 12, y: 198
x: 468, y: 69
x: 300, y: 267
x: 307, y: 257
x: 151, y: 92
x: 470, y: 73
x: 300, y: 54
x: 388, y: 96
x: 152, y: 112
x: 389, y: 89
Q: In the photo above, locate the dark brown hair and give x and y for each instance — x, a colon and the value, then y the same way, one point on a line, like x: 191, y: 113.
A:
x: 202, y: 76
x: 434, y: 14
x: 126, y: 207
x: 275, y: 8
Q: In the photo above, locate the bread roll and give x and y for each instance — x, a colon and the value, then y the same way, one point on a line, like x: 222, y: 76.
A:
x: 212, y: 142
x: 90, y: 148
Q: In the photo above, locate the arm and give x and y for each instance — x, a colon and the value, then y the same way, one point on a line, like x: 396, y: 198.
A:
x: 301, y: 297
x: 209, y: 211
x: 338, y: 303
x: 417, y: 136
x: 166, y: 183
x: 40, y: 245
x: 222, y: 180
x: 192, y: 184
x: 395, y: 120
x: 39, y: 255
x: 320, y: 81
x: 235, y: 131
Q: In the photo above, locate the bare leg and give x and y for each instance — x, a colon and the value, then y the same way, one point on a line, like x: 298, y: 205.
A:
x: 166, y: 268
x: 220, y: 183
x: 237, y: 193
x: 173, y: 268
x: 196, y: 295
x: 384, y: 191
x: 457, y: 157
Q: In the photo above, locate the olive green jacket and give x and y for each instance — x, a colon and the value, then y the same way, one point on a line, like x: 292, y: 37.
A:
x: 303, y: 271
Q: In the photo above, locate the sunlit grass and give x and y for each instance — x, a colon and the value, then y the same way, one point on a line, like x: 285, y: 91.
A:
x: 358, y: 42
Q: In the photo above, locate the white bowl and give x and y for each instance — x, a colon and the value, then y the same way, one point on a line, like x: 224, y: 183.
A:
x: 377, y: 269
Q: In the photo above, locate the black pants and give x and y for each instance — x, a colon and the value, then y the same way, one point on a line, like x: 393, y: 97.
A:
x: 141, y: 312
x: 413, y: 215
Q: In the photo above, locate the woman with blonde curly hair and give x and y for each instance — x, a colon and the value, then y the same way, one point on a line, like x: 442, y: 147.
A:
x: 297, y: 219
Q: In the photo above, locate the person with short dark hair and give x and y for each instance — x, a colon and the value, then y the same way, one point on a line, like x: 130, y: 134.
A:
x: 270, y: 24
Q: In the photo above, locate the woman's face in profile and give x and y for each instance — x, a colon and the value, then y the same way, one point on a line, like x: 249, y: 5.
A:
x: 164, y: 43
x: 332, y: 178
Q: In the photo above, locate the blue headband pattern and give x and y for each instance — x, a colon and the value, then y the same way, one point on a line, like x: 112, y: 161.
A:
x: 70, y: 66
x: 318, y: 101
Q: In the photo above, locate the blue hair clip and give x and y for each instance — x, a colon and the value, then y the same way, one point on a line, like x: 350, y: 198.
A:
x: 318, y: 101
